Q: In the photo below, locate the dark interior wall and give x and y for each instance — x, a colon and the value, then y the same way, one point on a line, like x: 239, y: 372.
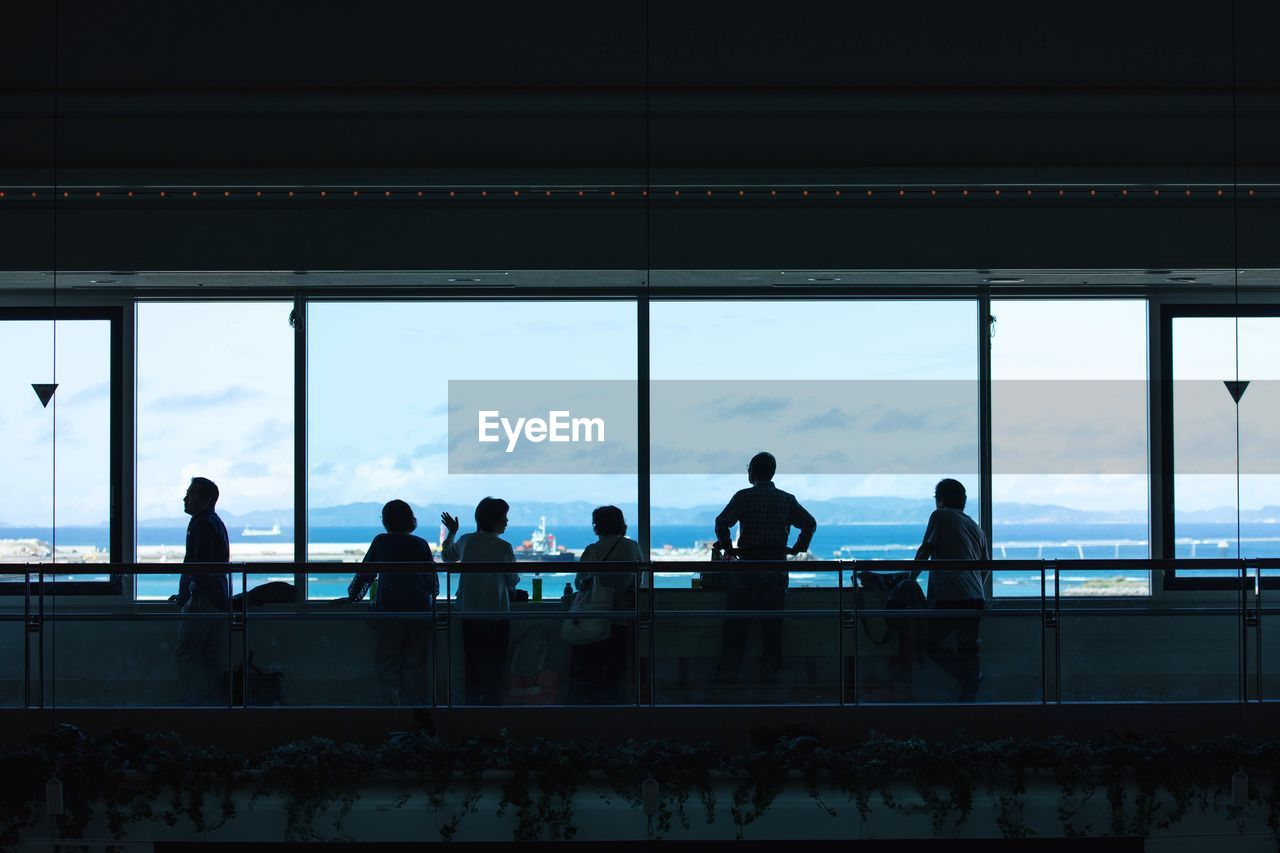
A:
x: 609, y: 96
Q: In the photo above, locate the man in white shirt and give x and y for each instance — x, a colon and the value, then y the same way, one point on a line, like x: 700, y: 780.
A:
x: 953, y: 535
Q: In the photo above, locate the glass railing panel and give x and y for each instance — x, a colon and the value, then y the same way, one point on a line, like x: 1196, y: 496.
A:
x: 733, y: 635
x: 377, y: 651
x: 1181, y: 648
x: 100, y: 651
x: 925, y: 642
x: 13, y: 635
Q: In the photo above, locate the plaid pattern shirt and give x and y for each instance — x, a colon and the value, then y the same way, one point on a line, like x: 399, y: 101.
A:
x: 766, y: 515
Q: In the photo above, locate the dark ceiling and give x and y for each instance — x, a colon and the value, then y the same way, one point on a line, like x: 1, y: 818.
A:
x: 1142, y: 103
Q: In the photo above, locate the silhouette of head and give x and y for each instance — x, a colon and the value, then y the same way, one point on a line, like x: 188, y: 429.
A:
x: 950, y: 493
x: 491, y: 515
x: 762, y: 468
x: 397, y: 517
x: 608, y: 521
x: 201, y: 495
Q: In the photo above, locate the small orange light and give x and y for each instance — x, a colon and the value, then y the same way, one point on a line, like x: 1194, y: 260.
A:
x: 323, y: 194
x: 226, y: 194
x: 708, y: 193
x: 1250, y: 192
x: 97, y: 194
x: 773, y: 193
x: 741, y: 193
x: 290, y: 193
x: 516, y: 193
x: 355, y: 192
x: 162, y: 193
x: 1, y: 193
x: 1155, y: 192
x: 1093, y: 192
x: 837, y: 193
x: 452, y: 194
x: 964, y: 193
x: 677, y: 192
x: 1188, y: 193
x: 581, y: 194
x: 1219, y: 192
x: 419, y: 193
x: 1061, y: 193
x: 130, y: 193
x: 997, y: 192
x: 804, y: 193
x: 613, y: 193
x: 386, y: 194
x: 548, y: 193
x: 933, y: 193
x: 1124, y: 192
x: 34, y: 194
x: 902, y: 193
x: 484, y: 193
x: 1028, y: 192
x: 66, y: 194
x: 259, y: 193
x: 868, y: 193
x: 194, y: 193
x: 644, y: 193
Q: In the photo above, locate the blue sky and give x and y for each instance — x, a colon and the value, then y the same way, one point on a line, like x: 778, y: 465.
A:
x: 215, y: 392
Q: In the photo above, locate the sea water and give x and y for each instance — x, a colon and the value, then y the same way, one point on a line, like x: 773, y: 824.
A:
x: 862, y: 542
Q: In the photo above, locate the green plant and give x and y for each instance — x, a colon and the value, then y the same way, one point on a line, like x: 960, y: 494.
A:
x: 125, y: 777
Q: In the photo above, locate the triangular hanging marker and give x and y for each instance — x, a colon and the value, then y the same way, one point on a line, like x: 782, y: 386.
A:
x: 1236, y: 388
x: 44, y: 390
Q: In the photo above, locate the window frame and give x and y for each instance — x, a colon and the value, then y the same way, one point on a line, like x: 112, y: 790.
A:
x: 114, y: 315
x: 1168, y: 313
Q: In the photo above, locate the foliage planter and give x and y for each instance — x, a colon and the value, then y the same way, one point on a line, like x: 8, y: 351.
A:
x: 416, y: 788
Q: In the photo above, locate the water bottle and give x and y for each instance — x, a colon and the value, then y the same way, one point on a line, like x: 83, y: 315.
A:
x: 537, y: 587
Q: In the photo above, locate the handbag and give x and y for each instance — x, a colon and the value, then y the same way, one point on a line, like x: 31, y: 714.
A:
x: 583, y: 631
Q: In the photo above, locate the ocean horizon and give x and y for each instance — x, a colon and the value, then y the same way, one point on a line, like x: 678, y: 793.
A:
x: 864, y: 542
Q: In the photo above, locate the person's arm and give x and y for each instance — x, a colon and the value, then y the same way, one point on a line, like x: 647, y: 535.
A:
x: 363, y: 580
x: 925, y: 551
x: 449, y: 550
x: 510, y: 557
x: 184, y: 591
x: 801, y: 519
x: 204, y: 535
x: 727, y: 518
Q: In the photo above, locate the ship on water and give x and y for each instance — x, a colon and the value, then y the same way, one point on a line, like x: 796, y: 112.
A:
x: 273, y: 530
x: 541, y: 546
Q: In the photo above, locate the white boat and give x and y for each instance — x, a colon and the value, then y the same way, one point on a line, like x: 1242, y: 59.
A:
x: 257, y: 531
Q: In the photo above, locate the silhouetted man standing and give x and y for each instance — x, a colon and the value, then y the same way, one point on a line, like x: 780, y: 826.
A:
x: 766, y: 515
x: 198, y: 638
x: 952, y: 535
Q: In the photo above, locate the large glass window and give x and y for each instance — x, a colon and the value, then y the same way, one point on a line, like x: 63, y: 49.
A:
x: 381, y: 379
x: 1226, y: 483
x: 61, y: 517
x: 215, y: 399
x: 865, y: 404
x: 1069, y: 438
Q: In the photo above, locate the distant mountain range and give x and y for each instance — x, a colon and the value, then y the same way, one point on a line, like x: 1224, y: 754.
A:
x: 859, y: 510
x: 851, y: 510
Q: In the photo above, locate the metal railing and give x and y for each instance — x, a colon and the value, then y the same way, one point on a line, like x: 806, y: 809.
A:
x: 848, y: 642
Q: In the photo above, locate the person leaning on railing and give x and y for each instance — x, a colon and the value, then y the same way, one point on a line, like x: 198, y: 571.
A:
x: 402, y: 646
x: 765, y: 515
x: 953, y: 535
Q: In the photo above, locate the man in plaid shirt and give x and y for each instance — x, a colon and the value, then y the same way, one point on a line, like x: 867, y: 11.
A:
x: 765, y: 515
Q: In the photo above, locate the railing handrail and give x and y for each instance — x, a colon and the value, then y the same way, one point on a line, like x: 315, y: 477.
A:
x: 661, y: 566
